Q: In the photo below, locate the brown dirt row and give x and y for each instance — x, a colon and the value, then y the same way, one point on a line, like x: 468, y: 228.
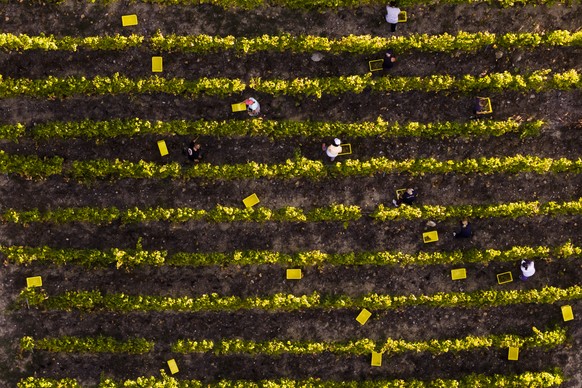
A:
x: 136, y: 63
x: 402, y: 236
x: 325, y: 366
x: 558, y: 108
x: 367, y: 192
x: 265, y: 280
x: 566, y: 144
x: 306, y: 325
x: 84, y: 18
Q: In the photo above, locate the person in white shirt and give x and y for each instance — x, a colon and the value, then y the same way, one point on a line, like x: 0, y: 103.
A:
x: 527, y: 269
x: 253, y: 107
x: 332, y: 150
x: 392, y: 12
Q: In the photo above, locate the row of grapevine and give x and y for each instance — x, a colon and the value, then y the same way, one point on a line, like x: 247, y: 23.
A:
x: 53, y: 87
x: 333, y: 213
x: 102, y: 344
x: 89, y: 170
x: 276, y: 129
x: 96, y: 300
x: 363, y: 44
x: 129, y: 258
x: 527, y: 379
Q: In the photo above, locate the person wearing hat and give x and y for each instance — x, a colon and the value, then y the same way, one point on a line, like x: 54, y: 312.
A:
x: 253, y: 107
x: 527, y: 269
x: 407, y: 197
x: 333, y: 149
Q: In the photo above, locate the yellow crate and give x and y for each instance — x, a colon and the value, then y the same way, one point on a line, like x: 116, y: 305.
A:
x: 35, y: 281
x: 129, y: 20
x: 402, y: 17
x: 459, y: 273
x: 347, y: 147
x: 157, y: 64
x: 241, y: 106
x: 399, y: 193
x: 173, y: 366
x: 504, y: 277
x: 363, y: 316
x: 376, y: 359
x: 376, y: 64
x: 485, y: 103
x: 513, y: 353
x: 163, y: 148
x: 294, y: 274
x: 429, y: 237
x: 567, y: 313
x: 251, y: 200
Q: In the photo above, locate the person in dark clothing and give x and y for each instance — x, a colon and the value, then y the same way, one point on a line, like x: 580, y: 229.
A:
x: 194, y: 152
x: 465, y: 231
x: 389, y: 60
x: 407, y: 198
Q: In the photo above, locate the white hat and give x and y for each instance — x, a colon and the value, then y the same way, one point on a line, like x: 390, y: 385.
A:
x: 337, y: 141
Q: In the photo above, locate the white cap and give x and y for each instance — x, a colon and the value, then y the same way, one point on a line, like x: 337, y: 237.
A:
x: 337, y: 141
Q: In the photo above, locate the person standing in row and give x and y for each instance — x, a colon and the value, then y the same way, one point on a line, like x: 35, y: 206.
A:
x: 392, y: 12
x: 194, y: 152
x: 527, y: 269
x: 465, y: 230
x: 332, y: 150
x: 253, y: 107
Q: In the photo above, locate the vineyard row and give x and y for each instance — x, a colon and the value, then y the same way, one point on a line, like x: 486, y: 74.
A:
x: 32, y: 166
x: 332, y: 213
x: 95, y: 300
x: 354, y: 44
x: 55, y: 87
x: 272, y: 128
x: 526, y: 379
x: 328, y: 4
x: 129, y: 258
x: 102, y: 344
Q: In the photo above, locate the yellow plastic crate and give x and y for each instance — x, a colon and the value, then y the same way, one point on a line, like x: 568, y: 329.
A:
x: 402, y: 17
x: 173, y: 366
x: 163, y: 148
x: 363, y: 316
x: 504, y: 277
x: 485, y: 103
x: 35, y: 281
x: 429, y: 237
x: 376, y: 64
x: 513, y: 353
x: 567, y: 313
x: 347, y: 148
x: 294, y: 274
x: 129, y: 20
x: 241, y: 106
x: 376, y: 359
x: 251, y: 200
x: 157, y: 64
x: 459, y: 273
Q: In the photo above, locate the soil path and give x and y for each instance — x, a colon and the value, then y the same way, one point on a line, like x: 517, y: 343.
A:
x: 87, y: 19
x: 554, y: 107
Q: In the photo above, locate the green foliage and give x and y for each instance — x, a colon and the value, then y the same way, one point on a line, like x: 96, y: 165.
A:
x: 43, y: 382
x: 364, y: 346
x: 53, y: 87
x: 361, y: 44
x: 89, y: 170
x: 526, y: 379
x: 95, y: 300
x: 333, y: 213
x: 99, y: 344
x: 128, y: 258
x: 271, y: 128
